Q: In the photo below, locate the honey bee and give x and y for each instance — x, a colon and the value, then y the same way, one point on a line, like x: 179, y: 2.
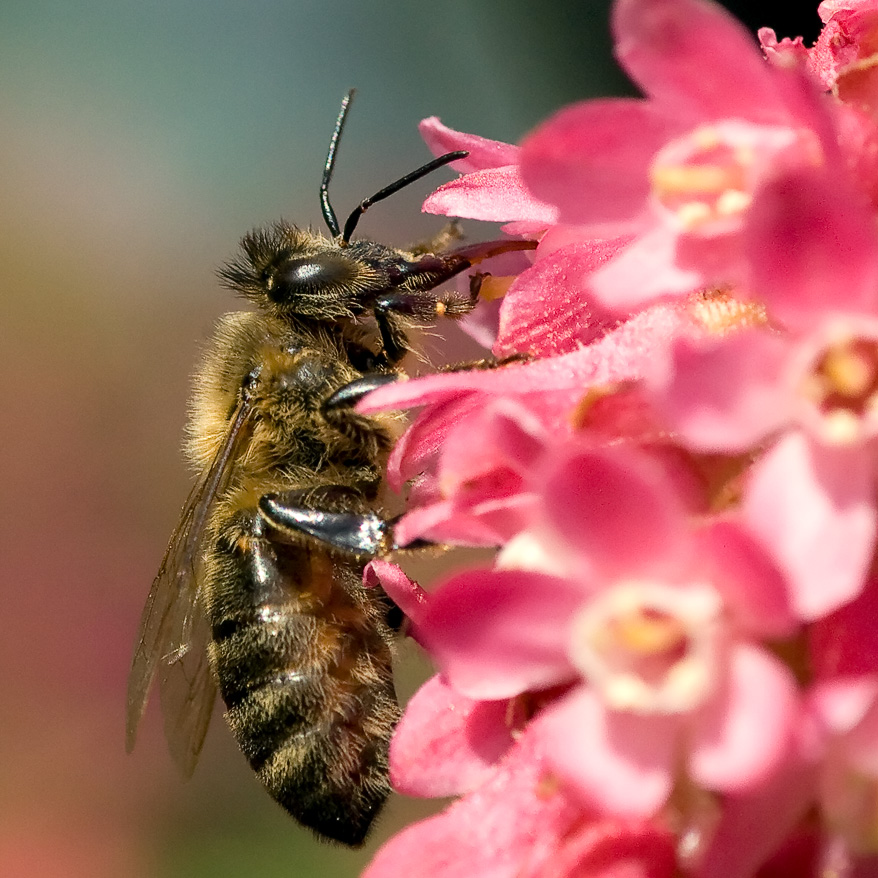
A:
x: 260, y: 593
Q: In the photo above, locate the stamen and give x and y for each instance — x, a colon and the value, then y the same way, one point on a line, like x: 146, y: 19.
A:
x: 649, y: 647
x: 843, y: 389
x: 719, y: 312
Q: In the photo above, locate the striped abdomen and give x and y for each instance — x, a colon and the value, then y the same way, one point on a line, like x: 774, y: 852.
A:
x: 303, y: 658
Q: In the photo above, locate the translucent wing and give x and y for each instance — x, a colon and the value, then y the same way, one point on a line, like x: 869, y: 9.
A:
x: 188, y: 691
x: 174, y: 632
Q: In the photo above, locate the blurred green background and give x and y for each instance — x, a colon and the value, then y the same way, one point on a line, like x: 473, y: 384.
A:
x: 138, y: 141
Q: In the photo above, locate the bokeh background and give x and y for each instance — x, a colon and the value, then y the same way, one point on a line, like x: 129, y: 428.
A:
x: 137, y: 142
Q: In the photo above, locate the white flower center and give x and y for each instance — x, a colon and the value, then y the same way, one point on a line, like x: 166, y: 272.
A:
x: 650, y: 647
x: 841, y: 388
x: 706, y: 178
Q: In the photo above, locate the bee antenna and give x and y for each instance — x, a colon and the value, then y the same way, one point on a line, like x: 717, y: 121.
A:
x: 325, y: 206
x: 387, y: 191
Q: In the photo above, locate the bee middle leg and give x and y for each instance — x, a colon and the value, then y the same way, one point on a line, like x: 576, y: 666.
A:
x: 346, y: 397
x: 320, y: 513
x: 364, y: 535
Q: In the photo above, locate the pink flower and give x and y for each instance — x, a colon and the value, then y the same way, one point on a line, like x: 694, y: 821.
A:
x: 810, y: 499
x: 843, y: 61
x: 543, y: 311
x: 683, y: 169
x: 522, y: 822
x: 844, y: 54
x: 653, y: 626
x: 478, y: 493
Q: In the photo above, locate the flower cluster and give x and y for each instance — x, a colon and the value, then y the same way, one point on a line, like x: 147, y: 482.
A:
x: 671, y: 666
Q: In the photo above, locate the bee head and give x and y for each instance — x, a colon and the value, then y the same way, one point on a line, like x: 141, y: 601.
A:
x: 293, y: 272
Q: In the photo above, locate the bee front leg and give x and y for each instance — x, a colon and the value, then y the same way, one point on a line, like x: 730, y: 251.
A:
x: 416, y: 306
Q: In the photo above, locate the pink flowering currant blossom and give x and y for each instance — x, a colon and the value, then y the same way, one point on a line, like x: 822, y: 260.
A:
x: 683, y: 169
x: 671, y: 666
x: 521, y: 822
x: 655, y: 628
x: 811, y: 498
x: 479, y: 494
x: 543, y: 311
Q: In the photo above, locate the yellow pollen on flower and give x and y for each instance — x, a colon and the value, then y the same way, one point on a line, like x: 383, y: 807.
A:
x: 670, y: 180
x: 440, y: 309
x: 745, y: 155
x: 848, y: 370
x: 648, y: 647
x: 841, y: 427
x: 718, y: 312
x: 548, y: 785
x: 703, y: 177
x: 625, y: 692
x: 648, y: 633
x: 706, y: 138
x: 494, y: 287
x: 842, y: 386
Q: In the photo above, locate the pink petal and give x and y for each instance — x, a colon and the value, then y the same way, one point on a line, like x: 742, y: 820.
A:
x: 857, y: 752
x: 753, y: 825
x: 746, y: 732
x: 693, y: 57
x: 407, y: 595
x: 813, y: 510
x: 495, y: 194
x: 845, y: 643
x: 448, y: 522
x: 614, y: 849
x: 546, y: 310
x: 484, y: 482
x: 625, y: 353
x: 446, y: 744
x: 783, y: 52
x: 510, y: 437
x: 489, y: 513
x: 644, y: 271
x: 812, y: 243
x: 418, y: 448
x: 514, y: 818
x: 496, y: 634
x: 483, y: 153
x: 841, y: 703
x: 755, y: 593
x: 591, y: 160
x: 726, y: 394
x: 619, y: 511
x: 623, y: 763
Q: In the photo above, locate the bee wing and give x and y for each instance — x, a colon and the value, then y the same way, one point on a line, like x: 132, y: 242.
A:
x: 188, y: 691
x: 173, y: 629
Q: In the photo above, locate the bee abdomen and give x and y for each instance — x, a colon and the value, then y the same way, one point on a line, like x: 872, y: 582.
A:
x: 306, y: 676
x: 333, y: 776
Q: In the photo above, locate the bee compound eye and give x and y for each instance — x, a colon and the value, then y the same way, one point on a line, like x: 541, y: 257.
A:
x: 311, y: 275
